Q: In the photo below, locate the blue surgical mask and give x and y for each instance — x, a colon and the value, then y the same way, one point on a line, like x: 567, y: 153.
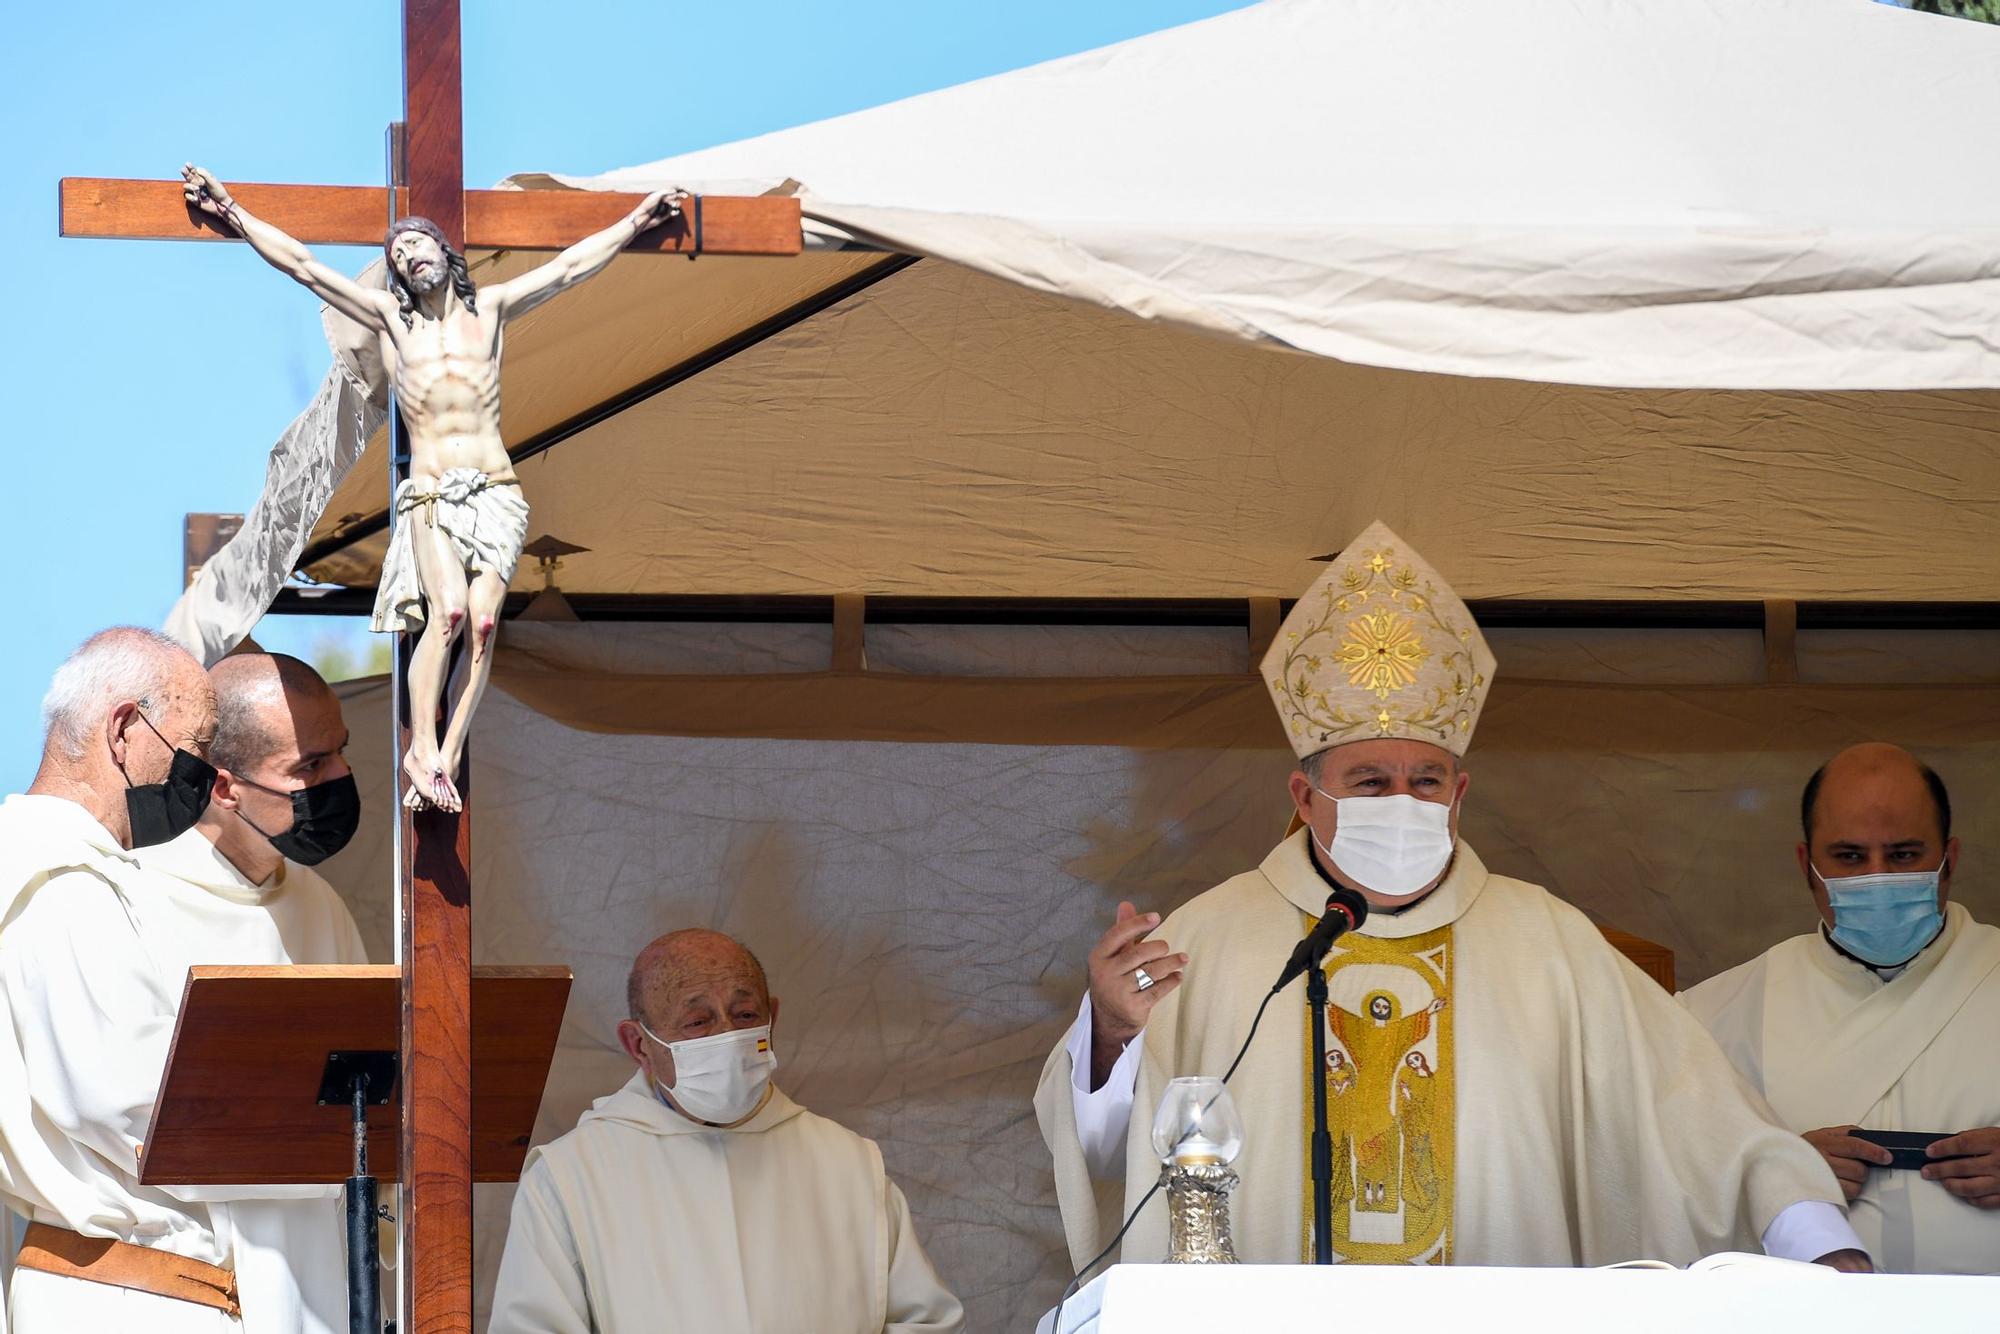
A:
x: 1885, y: 920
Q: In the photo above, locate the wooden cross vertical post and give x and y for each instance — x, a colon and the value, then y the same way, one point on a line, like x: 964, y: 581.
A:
x: 435, y: 847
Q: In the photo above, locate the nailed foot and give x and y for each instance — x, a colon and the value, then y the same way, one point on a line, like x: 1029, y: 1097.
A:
x: 444, y: 793
x: 417, y: 778
x: 428, y: 784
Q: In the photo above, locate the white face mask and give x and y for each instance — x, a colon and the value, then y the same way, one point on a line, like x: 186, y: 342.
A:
x: 720, y: 1078
x: 1391, y: 845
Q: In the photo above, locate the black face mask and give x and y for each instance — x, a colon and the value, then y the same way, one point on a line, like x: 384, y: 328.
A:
x: 324, y: 817
x: 162, y: 812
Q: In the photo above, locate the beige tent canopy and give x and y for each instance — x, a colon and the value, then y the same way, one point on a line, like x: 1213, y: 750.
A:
x: 1475, y: 216
x: 925, y: 570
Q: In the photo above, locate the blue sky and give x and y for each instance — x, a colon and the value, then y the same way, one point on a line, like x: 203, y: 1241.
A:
x: 148, y: 379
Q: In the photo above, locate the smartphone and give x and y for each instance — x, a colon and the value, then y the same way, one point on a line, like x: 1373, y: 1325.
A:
x: 1906, y: 1146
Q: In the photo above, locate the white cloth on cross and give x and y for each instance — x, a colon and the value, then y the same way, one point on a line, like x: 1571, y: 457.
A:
x: 486, y: 521
x: 93, y: 961
x: 1829, y: 1042
x: 641, y: 1220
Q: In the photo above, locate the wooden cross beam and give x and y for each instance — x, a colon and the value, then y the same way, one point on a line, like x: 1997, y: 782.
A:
x: 95, y: 206
x: 435, y: 882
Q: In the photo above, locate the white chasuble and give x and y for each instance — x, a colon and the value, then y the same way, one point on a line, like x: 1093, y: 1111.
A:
x: 641, y: 1221
x: 92, y: 968
x: 1557, y: 1109
x: 1829, y: 1043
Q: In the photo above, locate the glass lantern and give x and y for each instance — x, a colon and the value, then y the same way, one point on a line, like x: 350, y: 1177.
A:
x: 1197, y: 1134
x: 1197, y: 1123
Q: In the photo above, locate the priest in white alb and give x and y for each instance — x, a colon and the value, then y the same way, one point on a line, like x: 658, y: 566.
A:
x: 92, y: 968
x: 1883, y: 1017
x: 127, y: 723
x: 699, y: 1197
x: 1503, y: 1087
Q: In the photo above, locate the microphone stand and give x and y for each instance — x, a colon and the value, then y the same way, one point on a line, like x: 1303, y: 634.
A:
x: 1322, y: 1140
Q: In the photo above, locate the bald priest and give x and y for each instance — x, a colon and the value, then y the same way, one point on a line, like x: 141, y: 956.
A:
x: 1883, y: 1017
x: 699, y: 1197
x: 1503, y: 1087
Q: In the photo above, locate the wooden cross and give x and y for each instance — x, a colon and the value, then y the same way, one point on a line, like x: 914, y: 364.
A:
x: 435, y: 848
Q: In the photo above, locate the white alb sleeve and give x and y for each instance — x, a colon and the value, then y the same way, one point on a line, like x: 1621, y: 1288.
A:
x: 1809, y: 1229
x: 1102, y: 1117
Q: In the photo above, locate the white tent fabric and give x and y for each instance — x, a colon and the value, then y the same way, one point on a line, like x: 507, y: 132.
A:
x: 309, y: 461
x: 1643, y: 194
x: 1619, y: 193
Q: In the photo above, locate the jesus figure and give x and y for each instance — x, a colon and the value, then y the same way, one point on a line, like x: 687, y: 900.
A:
x: 460, y: 519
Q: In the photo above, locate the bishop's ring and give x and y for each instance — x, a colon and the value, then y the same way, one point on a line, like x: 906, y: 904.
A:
x: 1145, y: 978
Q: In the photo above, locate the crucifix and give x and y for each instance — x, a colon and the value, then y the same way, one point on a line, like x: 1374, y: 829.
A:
x: 434, y: 843
x: 461, y: 518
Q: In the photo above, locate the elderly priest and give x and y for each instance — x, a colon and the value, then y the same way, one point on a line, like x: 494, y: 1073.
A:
x: 699, y: 1196
x: 1503, y: 1088
x: 92, y: 970
x: 127, y: 721
x: 1883, y: 1017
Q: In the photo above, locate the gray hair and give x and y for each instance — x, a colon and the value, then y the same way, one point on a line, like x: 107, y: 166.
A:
x: 669, y: 953
x: 125, y: 662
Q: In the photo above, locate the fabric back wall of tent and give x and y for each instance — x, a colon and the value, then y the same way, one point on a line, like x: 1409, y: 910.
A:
x: 923, y: 905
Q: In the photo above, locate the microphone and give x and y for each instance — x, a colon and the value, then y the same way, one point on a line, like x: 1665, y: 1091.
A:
x: 1345, y: 910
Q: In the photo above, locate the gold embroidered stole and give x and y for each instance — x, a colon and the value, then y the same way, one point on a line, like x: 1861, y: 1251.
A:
x: 1390, y: 1084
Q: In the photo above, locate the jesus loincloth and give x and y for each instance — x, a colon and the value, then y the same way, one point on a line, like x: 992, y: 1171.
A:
x: 487, y: 522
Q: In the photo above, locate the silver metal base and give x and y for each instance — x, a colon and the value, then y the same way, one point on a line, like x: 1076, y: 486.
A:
x: 1198, y: 1214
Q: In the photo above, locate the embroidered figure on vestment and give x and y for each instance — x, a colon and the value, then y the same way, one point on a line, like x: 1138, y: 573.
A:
x: 1390, y: 1100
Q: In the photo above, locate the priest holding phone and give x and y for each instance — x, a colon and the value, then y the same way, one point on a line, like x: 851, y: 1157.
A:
x: 1873, y: 1035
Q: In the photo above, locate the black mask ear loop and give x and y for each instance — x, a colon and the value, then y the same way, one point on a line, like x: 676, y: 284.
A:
x: 163, y: 811
x: 324, y: 817
x: 124, y: 771
x: 239, y: 812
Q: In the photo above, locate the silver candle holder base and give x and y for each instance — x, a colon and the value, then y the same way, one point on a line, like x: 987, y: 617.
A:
x: 1198, y: 1214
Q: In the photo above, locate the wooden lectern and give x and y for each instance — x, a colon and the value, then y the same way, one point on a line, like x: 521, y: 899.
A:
x: 284, y: 1074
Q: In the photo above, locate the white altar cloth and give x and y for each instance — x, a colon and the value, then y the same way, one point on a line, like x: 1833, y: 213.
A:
x: 1145, y: 1299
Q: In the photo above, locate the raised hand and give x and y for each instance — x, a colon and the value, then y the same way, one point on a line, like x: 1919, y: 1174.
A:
x: 1119, y: 1004
x: 204, y: 193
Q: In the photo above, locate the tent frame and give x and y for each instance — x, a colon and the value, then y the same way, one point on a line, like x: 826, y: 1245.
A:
x: 1492, y: 613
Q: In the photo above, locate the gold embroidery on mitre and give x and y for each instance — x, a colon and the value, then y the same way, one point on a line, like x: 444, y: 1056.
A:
x: 1379, y: 646
x: 1381, y: 652
x: 1391, y: 1100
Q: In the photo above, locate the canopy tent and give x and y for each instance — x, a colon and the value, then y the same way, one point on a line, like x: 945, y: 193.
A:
x: 1619, y: 194
x: 1638, y: 302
